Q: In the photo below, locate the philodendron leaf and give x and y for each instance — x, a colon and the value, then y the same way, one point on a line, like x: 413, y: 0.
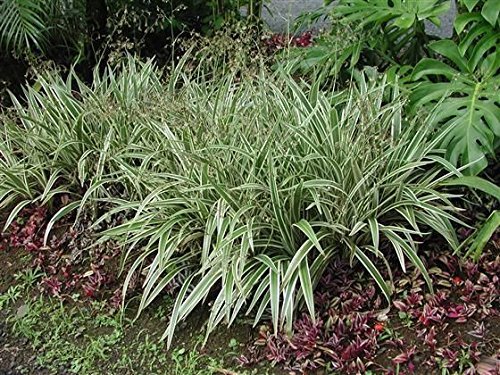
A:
x: 450, y: 50
x: 465, y: 19
x: 490, y: 11
x: 431, y: 66
x: 483, y: 235
x: 470, y: 4
x: 471, y: 131
x: 471, y: 121
x: 465, y: 104
x: 405, y: 21
x: 402, y: 13
x: 432, y: 9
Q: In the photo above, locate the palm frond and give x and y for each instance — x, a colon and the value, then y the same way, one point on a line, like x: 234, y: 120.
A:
x: 23, y: 25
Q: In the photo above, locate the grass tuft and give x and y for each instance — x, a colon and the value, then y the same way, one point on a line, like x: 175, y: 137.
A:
x: 244, y: 189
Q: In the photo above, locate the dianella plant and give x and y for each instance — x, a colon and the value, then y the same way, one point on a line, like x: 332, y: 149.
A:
x: 240, y: 191
x: 269, y: 182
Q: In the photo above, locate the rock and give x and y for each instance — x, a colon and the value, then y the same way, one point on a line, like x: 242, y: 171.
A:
x: 22, y: 311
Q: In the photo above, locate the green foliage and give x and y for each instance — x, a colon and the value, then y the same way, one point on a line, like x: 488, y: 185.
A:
x: 87, y: 338
x: 478, y: 183
x: 462, y: 88
x: 67, y: 337
x: 489, y: 9
x: 481, y: 237
x: 405, y: 14
x: 192, y: 363
x: 375, y: 33
x: 78, y: 143
x: 34, y: 27
x: 272, y: 182
x: 23, y: 25
x: 31, y: 27
x: 400, y: 24
x: 332, y: 52
x: 10, y: 296
x: 244, y: 189
x: 478, y: 240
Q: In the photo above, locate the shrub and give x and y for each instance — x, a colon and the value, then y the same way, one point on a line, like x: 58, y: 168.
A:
x: 462, y: 87
x: 271, y: 182
x: 23, y: 24
x: 367, y: 32
x: 245, y: 189
x: 456, y: 79
x: 31, y: 26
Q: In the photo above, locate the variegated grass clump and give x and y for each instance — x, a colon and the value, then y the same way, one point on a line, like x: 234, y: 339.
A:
x: 247, y: 188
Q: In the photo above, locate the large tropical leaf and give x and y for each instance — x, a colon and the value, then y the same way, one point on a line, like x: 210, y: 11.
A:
x: 462, y: 90
x: 489, y: 9
x: 376, y: 32
x: 404, y: 12
x: 400, y: 24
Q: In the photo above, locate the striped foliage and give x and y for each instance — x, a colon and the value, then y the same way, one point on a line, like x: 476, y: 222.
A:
x: 245, y: 189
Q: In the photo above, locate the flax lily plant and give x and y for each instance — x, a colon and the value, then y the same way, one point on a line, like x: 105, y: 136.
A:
x: 244, y: 189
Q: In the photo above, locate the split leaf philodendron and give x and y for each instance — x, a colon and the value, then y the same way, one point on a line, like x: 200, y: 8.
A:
x: 461, y: 87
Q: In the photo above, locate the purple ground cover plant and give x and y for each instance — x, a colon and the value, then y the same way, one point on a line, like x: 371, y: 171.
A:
x: 455, y: 330
x: 70, y: 262
x: 278, y: 41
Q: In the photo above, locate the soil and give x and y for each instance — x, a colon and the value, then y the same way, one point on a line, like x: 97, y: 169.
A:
x: 16, y: 355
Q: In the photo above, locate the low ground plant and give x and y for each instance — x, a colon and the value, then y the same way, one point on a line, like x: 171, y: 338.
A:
x: 242, y: 191
x: 74, y: 335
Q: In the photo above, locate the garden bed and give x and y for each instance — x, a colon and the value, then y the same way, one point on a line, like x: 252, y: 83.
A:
x: 456, y: 330
x: 185, y: 192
